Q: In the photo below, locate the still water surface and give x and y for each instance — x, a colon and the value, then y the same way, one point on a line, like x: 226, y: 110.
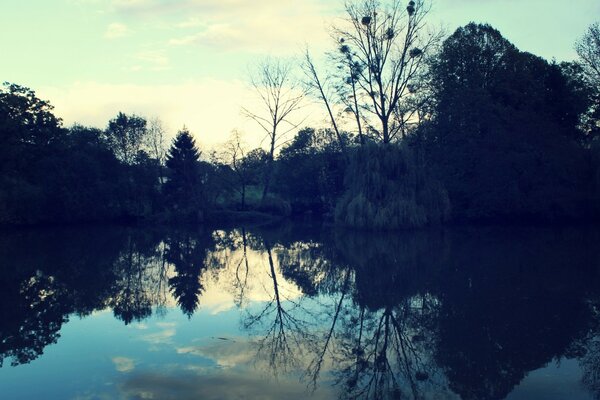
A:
x: 300, y: 312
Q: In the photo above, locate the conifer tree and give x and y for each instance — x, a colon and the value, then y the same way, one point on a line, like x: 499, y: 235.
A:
x: 182, y: 161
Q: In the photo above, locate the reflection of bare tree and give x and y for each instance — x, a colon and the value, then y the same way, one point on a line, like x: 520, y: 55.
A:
x: 386, y: 353
x: 588, y: 349
x: 314, y: 368
x: 287, y: 332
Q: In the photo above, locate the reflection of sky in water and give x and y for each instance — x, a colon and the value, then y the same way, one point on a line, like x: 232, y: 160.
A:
x: 206, y: 357
x: 98, y: 357
x: 460, y: 324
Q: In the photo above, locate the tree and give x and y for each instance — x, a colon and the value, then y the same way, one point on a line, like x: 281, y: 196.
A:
x: 381, y: 54
x: 322, y: 88
x: 27, y: 127
x: 182, y: 161
x: 505, y: 139
x: 236, y: 154
x: 588, y: 50
x: 310, y: 171
x: 125, y: 135
x: 280, y: 96
x: 156, y: 145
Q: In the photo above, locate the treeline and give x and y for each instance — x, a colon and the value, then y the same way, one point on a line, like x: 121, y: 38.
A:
x: 477, y: 131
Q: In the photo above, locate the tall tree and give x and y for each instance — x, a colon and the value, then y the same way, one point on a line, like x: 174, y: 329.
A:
x: 182, y: 161
x: 381, y: 55
x: 505, y: 138
x: 588, y: 50
x: 280, y: 97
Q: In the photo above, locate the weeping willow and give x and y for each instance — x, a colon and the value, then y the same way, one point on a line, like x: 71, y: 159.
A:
x: 387, y: 188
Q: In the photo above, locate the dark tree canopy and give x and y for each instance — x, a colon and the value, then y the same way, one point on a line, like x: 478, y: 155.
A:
x: 125, y: 135
x: 505, y: 136
x: 183, y: 163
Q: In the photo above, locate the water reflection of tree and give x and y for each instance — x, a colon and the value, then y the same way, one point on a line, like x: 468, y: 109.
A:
x: 386, y: 339
x: 132, y: 300
x: 283, y: 323
x: 187, y: 252
x: 45, y: 276
x: 587, y: 350
x: 521, y: 302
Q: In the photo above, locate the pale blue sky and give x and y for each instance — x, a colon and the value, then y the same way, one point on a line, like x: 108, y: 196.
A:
x: 186, y: 60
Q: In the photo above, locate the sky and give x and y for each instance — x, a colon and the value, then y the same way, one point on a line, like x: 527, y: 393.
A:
x: 188, y: 62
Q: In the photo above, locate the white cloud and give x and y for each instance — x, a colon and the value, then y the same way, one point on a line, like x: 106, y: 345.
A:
x: 116, y: 30
x: 123, y: 364
x: 271, y: 26
x: 162, y: 337
x: 267, y: 27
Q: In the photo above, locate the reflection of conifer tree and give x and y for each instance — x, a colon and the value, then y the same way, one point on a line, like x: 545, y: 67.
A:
x: 187, y: 253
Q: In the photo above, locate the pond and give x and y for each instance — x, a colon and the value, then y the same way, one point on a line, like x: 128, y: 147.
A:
x: 300, y: 311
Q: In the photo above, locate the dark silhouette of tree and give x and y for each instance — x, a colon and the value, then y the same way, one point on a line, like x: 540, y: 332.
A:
x: 388, y: 187
x: 323, y: 90
x: 381, y: 54
x: 126, y: 135
x: 188, y: 252
x: 588, y: 50
x: 183, y: 186
x: 29, y: 133
x: 310, y: 171
x: 280, y: 97
x: 505, y: 139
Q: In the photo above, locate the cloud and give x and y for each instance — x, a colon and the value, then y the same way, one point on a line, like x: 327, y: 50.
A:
x: 116, y: 30
x: 279, y: 28
x: 232, y: 385
x: 123, y: 364
x: 162, y: 337
x: 226, y: 354
x: 272, y: 26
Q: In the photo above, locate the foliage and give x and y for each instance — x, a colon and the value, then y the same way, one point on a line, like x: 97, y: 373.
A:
x: 505, y: 140
x: 183, y: 187
x: 125, y: 135
x: 310, y: 171
x: 387, y: 188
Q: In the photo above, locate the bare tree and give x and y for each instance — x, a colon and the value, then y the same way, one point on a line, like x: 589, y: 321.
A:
x: 381, y: 53
x: 235, y: 157
x: 588, y: 50
x: 321, y: 87
x: 280, y: 96
x: 156, y: 144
